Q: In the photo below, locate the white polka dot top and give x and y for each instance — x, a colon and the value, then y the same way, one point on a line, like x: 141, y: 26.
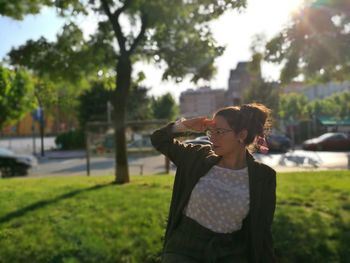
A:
x: 220, y: 199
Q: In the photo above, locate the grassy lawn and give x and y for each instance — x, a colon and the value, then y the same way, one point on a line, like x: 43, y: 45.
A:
x: 82, y: 219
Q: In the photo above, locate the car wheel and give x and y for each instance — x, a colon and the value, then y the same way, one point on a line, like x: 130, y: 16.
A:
x: 6, y: 171
x: 20, y: 170
x: 284, y: 148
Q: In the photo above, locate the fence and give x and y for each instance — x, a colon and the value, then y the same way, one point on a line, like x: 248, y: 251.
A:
x: 100, y: 140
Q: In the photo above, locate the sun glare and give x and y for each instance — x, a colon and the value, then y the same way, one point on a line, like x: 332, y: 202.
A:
x: 286, y: 7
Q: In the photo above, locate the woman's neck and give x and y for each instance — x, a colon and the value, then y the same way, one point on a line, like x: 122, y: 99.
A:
x: 236, y: 160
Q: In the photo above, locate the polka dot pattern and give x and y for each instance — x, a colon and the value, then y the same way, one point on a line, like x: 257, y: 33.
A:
x: 220, y: 199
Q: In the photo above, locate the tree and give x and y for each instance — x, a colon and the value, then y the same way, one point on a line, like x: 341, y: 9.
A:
x: 335, y: 106
x: 343, y: 102
x: 93, y: 103
x: 315, y: 44
x: 260, y: 90
x: 139, y: 104
x: 16, y: 92
x: 292, y: 106
x: 165, y: 107
x: 322, y: 108
x: 175, y: 34
x: 18, y: 9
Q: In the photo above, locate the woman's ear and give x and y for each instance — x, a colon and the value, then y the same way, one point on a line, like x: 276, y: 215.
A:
x: 243, y: 135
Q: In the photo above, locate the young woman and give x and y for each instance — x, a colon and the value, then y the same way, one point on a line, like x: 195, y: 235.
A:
x: 223, y: 200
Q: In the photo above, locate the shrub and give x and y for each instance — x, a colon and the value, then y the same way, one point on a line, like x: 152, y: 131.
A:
x: 71, y: 140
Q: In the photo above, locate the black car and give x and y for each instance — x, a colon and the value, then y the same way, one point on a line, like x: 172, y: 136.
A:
x: 278, y: 142
x: 13, y: 164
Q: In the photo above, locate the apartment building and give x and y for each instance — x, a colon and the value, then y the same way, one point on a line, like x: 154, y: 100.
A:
x: 318, y: 91
x: 201, y: 102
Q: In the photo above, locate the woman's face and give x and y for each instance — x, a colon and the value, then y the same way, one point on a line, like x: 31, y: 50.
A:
x: 224, y: 139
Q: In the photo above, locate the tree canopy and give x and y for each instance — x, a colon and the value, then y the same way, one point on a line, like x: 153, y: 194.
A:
x: 292, y: 106
x: 315, y: 44
x: 261, y: 90
x: 335, y: 106
x: 19, y: 8
x: 164, y: 107
x: 93, y: 102
x: 16, y: 95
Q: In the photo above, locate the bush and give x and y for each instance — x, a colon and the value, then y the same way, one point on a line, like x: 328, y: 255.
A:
x: 71, y: 140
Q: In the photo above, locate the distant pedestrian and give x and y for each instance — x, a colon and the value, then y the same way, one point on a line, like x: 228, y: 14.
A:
x: 223, y: 201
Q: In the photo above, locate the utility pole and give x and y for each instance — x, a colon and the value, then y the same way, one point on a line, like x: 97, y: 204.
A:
x: 42, y: 131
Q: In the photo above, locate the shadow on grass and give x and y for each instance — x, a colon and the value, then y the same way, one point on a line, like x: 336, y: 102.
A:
x: 41, y: 204
x: 311, y: 237
x: 95, y: 165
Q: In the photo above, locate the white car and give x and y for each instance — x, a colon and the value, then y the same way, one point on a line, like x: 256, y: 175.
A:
x: 13, y: 164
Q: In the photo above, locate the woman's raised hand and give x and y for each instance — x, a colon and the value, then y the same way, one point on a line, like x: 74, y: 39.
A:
x: 199, y: 124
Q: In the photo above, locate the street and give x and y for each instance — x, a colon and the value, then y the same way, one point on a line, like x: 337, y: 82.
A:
x: 57, y: 163
x: 98, y: 165
x: 155, y: 164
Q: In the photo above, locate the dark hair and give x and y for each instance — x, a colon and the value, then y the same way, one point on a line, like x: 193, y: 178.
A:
x: 253, y: 117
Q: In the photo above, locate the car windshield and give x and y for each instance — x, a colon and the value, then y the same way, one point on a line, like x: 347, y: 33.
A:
x: 4, y: 151
x: 328, y: 136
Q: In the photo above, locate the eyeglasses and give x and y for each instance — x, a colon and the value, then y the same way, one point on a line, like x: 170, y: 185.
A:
x: 217, y: 132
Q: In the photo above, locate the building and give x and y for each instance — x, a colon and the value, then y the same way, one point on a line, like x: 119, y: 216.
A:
x: 240, y: 79
x: 201, y: 102
x: 25, y: 126
x: 205, y: 101
x: 318, y: 91
x: 54, y: 124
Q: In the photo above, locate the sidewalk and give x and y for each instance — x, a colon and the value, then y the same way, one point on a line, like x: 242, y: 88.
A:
x: 51, y: 154
x: 299, y: 160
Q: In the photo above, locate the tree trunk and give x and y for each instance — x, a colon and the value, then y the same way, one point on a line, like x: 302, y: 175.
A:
x: 119, y: 99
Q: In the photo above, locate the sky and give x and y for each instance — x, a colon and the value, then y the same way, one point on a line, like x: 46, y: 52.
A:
x: 234, y: 30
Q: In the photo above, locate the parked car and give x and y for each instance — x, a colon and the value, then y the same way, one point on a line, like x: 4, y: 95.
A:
x: 331, y: 141
x: 13, y: 164
x: 278, y: 142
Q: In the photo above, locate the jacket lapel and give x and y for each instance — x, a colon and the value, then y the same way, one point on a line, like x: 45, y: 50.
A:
x: 256, y: 180
x: 255, y: 189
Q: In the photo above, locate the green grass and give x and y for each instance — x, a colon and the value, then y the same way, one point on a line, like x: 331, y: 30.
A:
x: 312, y: 221
x: 89, y: 219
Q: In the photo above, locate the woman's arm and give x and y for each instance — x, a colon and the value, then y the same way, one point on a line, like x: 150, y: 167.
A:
x: 164, y: 140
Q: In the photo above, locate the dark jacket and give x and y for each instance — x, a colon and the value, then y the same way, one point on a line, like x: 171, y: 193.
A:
x: 193, y: 162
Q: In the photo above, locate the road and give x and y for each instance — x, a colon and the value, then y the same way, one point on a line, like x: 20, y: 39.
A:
x: 98, y: 166
x: 306, y: 160
x: 155, y: 164
x: 57, y: 163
